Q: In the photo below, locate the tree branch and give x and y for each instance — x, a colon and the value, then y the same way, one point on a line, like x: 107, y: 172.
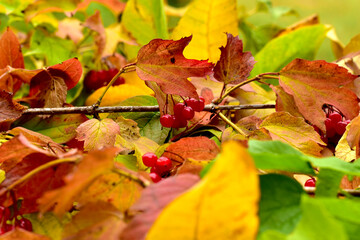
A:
x: 90, y: 110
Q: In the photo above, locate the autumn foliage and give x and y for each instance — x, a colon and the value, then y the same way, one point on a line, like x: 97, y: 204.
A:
x: 208, y: 132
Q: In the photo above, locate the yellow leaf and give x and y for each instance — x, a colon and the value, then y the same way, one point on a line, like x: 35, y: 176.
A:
x: 207, y: 21
x: 224, y: 205
x: 294, y: 131
x: 343, y: 150
x: 353, y: 45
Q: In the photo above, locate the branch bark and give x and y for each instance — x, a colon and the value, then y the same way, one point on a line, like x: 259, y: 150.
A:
x: 90, y: 110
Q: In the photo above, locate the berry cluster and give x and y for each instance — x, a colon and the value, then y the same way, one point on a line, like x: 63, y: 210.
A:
x: 97, y: 79
x: 160, y: 167
x: 310, y: 182
x: 183, y: 112
x: 9, y: 222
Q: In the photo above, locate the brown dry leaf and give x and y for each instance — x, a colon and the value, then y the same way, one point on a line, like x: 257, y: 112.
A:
x: 9, y: 109
x: 92, y: 166
x: 315, y: 83
x: 223, y: 205
x: 163, y: 62
x: 97, y: 220
x: 294, y: 131
x: 10, y: 55
x: 50, y: 85
x: 21, y: 234
x: 234, y: 65
x: 98, y: 134
x: 198, y: 148
x: 152, y: 201
x: 95, y: 24
x: 309, y: 21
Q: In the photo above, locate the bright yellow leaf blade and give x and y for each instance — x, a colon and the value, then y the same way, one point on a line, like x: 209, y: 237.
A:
x: 207, y: 21
x: 224, y: 205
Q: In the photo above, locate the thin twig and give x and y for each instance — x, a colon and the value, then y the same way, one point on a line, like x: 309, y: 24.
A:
x: 142, y: 181
x: 223, y: 117
x: 343, y: 192
x: 89, y: 110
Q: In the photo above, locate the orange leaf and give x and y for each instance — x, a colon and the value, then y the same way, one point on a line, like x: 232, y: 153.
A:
x: 10, y: 55
x: 294, y: 131
x: 163, y: 62
x: 98, y: 134
x: 19, y: 233
x: 315, y: 83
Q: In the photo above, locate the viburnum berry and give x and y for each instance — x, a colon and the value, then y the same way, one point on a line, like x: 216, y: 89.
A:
x: 188, y: 113
x: 167, y: 120
x: 178, y: 109
x: 330, y: 128
x: 310, y: 182
x: 335, y: 117
x: 24, y: 223
x: 196, y: 105
x: 155, y: 177
x: 149, y: 159
x: 179, y: 122
x: 340, y: 127
x: 163, y: 164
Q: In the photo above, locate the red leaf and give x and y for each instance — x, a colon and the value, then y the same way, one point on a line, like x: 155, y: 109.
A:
x: 9, y: 109
x: 315, y: 83
x: 10, y: 55
x: 163, y: 62
x: 153, y: 200
x: 234, y: 65
x: 50, y: 85
x: 19, y: 233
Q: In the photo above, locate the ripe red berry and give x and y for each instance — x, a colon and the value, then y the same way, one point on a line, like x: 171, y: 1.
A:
x: 330, y: 128
x: 155, y: 177
x: 196, y: 105
x: 163, y: 164
x: 149, y: 159
x: 178, y: 109
x: 24, y: 224
x: 188, y: 113
x: 167, y: 120
x: 91, y: 80
x: 335, y: 117
x: 310, y: 183
x: 340, y: 127
x: 179, y: 122
x: 111, y: 73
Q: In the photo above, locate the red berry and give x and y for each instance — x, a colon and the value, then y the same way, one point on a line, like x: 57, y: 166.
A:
x: 179, y: 122
x: 111, y: 73
x: 340, y: 127
x: 178, y: 109
x: 149, y: 159
x: 155, y: 177
x: 310, y: 182
x: 167, y: 120
x: 335, y: 117
x: 24, y: 224
x: 188, y: 113
x: 330, y: 128
x: 163, y: 164
x: 196, y: 105
x: 91, y: 80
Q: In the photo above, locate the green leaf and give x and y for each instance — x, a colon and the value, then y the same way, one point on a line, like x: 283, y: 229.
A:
x: 301, y: 43
x: 337, y: 165
x: 48, y: 225
x: 347, y: 211
x: 60, y: 128
x: 55, y: 50
x: 317, y: 223
x: 148, y: 122
x: 145, y: 20
x: 107, y: 16
x: 129, y: 161
x: 328, y: 183
x: 276, y: 155
x: 279, y: 203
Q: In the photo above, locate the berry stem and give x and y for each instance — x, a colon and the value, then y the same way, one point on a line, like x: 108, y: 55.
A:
x: 269, y: 75
x: 223, y: 117
x: 124, y: 69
